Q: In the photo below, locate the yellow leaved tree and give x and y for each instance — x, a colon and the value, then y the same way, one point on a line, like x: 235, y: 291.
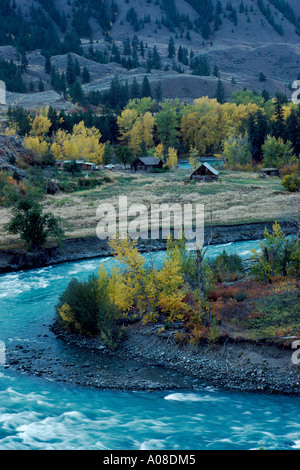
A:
x: 125, y: 122
x: 37, y: 138
x: 83, y: 143
x: 171, y: 282
x: 148, y: 292
x: 159, y: 152
x: 132, y: 292
x: 194, y: 158
x: 136, y: 129
x: 172, y: 159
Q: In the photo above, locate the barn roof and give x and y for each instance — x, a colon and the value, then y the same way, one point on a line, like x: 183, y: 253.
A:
x: 149, y: 161
x: 209, y: 167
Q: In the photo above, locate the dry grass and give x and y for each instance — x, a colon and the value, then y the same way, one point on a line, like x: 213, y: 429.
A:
x: 237, y: 198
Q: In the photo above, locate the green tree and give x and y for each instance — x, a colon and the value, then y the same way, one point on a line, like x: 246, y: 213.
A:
x: 220, y: 92
x: 237, y: 151
x: 123, y: 155
x: 107, y: 156
x: 167, y: 123
x: 277, y: 153
x: 171, y: 49
x: 262, y: 77
x: 279, y: 255
x: 216, y: 72
x: 76, y: 92
x: 85, y: 75
x: 279, y: 117
x: 146, y: 88
x: 135, y: 89
x: 156, y: 59
x: 70, y: 73
x: 245, y: 97
x: 47, y: 65
x: 28, y: 219
x: 41, y: 86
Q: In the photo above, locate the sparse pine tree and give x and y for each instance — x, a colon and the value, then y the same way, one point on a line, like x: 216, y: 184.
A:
x: 220, y: 92
x: 146, y: 88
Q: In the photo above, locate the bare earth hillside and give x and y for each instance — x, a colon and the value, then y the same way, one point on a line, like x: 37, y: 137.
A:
x: 240, y: 48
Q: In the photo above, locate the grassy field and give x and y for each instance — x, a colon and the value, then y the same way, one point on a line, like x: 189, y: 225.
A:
x: 237, y: 198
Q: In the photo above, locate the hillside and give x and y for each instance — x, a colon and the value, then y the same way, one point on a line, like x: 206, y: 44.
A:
x: 237, y: 39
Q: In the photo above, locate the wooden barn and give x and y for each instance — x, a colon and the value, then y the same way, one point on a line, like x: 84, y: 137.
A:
x: 205, y: 172
x: 147, y: 164
x: 269, y: 172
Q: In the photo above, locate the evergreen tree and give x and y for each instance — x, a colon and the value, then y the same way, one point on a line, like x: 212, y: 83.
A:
x: 146, y: 88
x: 292, y: 130
x: 70, y: 73
x: 200, y: 66
x: 142, y: 48
x: 85, y: 75
x: 135, y: 89
x: 156, y: 59
x: 220, y: 92
x: 41, y: 86
x: 171, y: 49
x: 76, y: 92
x: 24, y: 62
x: 115, y: 54
x: 77, y: 70
x: 205, y: 30
x: 159, y: 92
x: 126, y: 47
x: 257, y: 131
x: 216, y: 72
x: 47, y: 64
x: 279, y: 117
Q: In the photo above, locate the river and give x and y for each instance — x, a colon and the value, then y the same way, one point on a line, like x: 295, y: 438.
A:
x: 41, y: 414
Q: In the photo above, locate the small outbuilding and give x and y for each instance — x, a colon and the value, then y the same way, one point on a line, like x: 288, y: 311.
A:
x: 147, y: 164
x: 269, y: 172
x: 86, y: 166
x: 205, y: 172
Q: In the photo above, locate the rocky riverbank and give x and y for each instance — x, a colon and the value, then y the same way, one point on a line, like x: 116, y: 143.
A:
x: 152, y: 360
x: 149, y: 359
x: 86, y: 248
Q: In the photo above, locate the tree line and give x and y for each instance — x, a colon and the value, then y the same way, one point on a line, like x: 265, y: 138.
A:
x: 245, y: 132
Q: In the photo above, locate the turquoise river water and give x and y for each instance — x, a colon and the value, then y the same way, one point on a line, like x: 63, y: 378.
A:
x: 40, y: 414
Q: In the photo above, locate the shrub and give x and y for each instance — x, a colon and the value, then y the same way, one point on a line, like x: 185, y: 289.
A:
x: 85, y: 308
x: 291, y: 182
x: 280, y: 255
x: 240, y: 296
x: 227, y: 267
x: 83, y: 300
x: 48, y: 159
x: 72, y: 167
x: 198, y: 334
x: 88, y: 183
x: 289, y: 169
x: 276, y: 314
x: 213, y: 333
x: 180, y: 337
